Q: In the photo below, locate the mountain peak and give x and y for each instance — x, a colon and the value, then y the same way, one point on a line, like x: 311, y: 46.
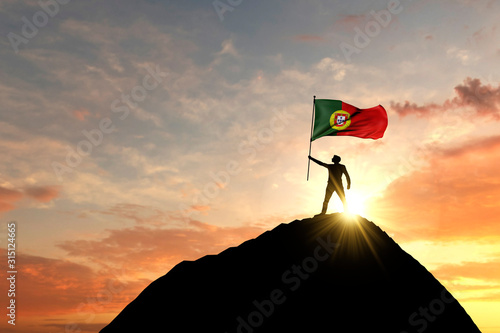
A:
x: 332, y: 272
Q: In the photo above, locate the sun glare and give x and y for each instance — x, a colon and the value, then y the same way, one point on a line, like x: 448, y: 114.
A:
x: 356, y: 203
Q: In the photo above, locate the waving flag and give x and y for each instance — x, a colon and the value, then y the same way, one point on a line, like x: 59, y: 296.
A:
x: 336, y: 118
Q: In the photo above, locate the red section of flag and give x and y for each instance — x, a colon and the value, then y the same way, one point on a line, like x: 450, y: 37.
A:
x: 365, y: 123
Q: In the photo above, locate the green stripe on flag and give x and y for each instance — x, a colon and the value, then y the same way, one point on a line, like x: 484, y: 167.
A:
x: 323, y: 109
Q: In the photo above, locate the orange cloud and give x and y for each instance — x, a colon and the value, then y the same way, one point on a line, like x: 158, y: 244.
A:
x: 484, y: 99
x: 489, y: 144
x: 5, y: 207
x: 8, y: 197
x: 200, y: 208
x: 39, y: 193
x: 486, y: 272
x: 53, y: 286
x: 308, y: 38
x: 348, y: 22
x: 42, y: 193
x: 137, y: 213
x: 158, y: 249
x: 489, y: 271
x: 80, y: 328
x: 456, y: 196
x: 53, y: 293
x: 81, y: 114
x: 43, y: 277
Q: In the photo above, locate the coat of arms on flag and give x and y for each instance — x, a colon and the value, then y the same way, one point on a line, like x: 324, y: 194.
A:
x: 339, y: 120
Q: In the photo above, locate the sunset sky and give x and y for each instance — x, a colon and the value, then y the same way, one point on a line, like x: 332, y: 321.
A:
x: 137, y: 134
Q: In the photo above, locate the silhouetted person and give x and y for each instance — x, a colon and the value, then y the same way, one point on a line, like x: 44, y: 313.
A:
x: 335, y: 172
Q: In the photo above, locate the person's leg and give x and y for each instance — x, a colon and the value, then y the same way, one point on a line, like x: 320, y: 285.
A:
x: 341, y: 194
x: 328, y: 195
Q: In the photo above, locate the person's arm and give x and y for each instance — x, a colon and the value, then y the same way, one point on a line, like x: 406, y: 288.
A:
x: 317, y: 162
x: 347, y: 177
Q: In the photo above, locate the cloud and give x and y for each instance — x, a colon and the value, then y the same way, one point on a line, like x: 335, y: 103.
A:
x: 488, y: 271
x: 484, y: 99
x: 308, y: 38
x: 42, y: 193
x: 81, y: 114
x: 348, y: 22
x: 483, y: 144
x: 228, y: 48
x: 53, y: 293
x: 80, y: 328
x: 200, y: 208
x: 151, y: 251
x: 58, y: 287
x: 464, y: 56
x: 8, y: 197
x: 140, y: 214
x: 478, y: 280
x: 455, y: 196
x: 5, y: 206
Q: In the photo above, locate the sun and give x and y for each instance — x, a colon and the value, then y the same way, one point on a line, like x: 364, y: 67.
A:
x: 356, y: 203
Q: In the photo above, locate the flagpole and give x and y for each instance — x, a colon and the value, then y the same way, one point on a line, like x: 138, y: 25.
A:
x: 310, y: 138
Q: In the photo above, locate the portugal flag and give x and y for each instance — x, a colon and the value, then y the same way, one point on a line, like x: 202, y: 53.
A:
x: 336, y: 118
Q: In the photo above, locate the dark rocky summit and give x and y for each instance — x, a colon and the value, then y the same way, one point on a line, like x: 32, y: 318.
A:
x: 331, y: 273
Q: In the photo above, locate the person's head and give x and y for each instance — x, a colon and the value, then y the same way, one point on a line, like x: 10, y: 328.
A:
x: 336, y: 159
